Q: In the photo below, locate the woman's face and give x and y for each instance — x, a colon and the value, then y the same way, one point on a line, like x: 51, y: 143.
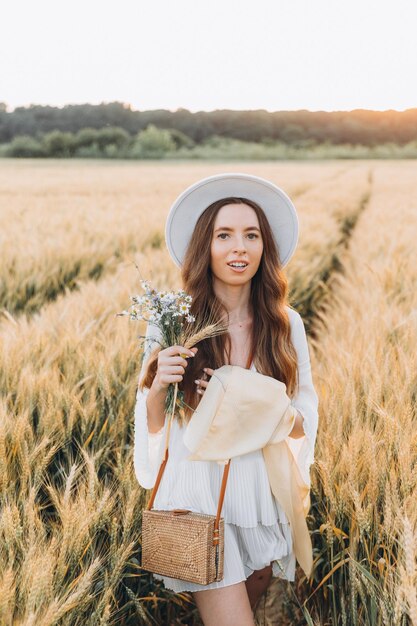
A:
x: 236, y: 237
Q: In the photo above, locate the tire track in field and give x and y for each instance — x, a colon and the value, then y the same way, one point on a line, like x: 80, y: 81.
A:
x: 325, y: 243
x: 347, y: 226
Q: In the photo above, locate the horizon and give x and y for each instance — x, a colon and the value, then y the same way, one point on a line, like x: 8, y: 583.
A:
x: 136, y: 110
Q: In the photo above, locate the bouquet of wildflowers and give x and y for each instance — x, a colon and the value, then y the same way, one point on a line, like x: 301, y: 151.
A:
x: 170, y: 312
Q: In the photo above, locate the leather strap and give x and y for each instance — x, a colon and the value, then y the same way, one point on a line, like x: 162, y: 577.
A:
x: 165, y: 460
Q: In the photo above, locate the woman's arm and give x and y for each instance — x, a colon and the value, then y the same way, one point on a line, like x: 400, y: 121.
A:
x: 298, y: 430
x: 306, y: 399
x: 148, y: 442
x: 155, y: 405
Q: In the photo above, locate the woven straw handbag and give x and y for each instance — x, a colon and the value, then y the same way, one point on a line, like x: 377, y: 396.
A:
x: 180, y: 543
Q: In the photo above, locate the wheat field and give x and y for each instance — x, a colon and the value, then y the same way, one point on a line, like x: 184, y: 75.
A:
x: 72, y: 233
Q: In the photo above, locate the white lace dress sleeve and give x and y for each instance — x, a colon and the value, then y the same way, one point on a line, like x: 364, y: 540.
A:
x: 148, y: 447
x: 305, y: 400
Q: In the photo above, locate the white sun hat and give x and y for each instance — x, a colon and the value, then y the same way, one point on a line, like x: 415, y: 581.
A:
x: 192, y: 202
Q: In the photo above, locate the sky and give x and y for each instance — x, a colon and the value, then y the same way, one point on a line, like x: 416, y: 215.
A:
x: 320, y: 55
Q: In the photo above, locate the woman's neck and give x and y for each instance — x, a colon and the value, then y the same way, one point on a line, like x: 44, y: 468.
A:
x: 236, y: 300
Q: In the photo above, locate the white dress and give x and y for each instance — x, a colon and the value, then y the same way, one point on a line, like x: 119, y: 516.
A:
x: 257, y: 531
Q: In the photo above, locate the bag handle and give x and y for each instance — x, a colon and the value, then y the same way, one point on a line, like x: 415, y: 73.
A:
x: 165, y: 459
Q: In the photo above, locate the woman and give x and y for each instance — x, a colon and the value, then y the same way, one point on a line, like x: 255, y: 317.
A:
x: 231, y: 235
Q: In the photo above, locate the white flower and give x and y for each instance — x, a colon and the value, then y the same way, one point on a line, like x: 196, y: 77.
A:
x: 146, y: 285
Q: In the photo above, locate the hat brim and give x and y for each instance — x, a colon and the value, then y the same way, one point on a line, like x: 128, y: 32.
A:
x: 192, y: 202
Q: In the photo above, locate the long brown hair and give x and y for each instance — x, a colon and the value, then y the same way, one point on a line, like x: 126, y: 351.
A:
x: 274, y: 354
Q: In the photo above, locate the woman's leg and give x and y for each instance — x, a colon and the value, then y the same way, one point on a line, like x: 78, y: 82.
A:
x: 225, y: 606
x: 257, y: 583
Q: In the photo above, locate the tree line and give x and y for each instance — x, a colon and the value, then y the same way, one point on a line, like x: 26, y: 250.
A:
x: 123, y: 125
x: 110, y: 142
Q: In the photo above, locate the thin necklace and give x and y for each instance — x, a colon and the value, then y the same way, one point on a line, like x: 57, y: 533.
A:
x: 249, y: 319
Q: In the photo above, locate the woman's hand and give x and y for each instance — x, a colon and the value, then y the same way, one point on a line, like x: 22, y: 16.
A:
x: 203, y: 382
x: 171, y: 365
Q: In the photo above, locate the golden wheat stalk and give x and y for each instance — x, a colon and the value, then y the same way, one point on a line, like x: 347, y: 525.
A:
x: 190, y: 336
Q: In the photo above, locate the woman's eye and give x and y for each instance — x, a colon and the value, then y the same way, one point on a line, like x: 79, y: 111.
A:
x: 226, y: 235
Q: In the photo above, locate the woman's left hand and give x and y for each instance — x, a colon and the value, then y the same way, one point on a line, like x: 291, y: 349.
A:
x: 203, y: 382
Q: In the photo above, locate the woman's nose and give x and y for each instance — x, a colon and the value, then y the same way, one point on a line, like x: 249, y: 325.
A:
x: 239, y: 245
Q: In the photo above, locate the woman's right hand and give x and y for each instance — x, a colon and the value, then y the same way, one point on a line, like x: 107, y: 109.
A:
x: 171, y: 365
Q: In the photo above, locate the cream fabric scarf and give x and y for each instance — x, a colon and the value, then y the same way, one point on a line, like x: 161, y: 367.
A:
x: 240, y: 411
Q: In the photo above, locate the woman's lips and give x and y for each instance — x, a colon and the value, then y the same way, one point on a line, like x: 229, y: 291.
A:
x: 237, y: 269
